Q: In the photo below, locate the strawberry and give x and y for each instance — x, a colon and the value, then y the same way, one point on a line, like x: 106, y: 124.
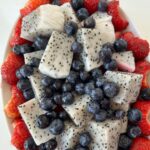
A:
x: 140, y: 143
x: 8, y: 70
x: 119, y: 22
x: 16, y: 122
x: 32, y: 5
x: 20, y: 134
x: 144, y: 124
x: 118, y: 35
x: 15, y: 38
x: 127, y: 36
x: 91, y: 5
x: 64, y: 1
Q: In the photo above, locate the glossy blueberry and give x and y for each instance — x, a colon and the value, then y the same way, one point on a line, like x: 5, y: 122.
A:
x: 56, y: 127
x: 84, y: 76
x: 85, y: 139
x: 42, y: 121
x: 89, y: 87
x: 58, y: 99
x: 120, y: 45
x: 96, y: 94
x: 124, y: 142
x: 46, y: 81
x: 134, y: 115
x: 24, y: 84
x: 71, y: 28
x: 73, y: 77
x: 89, y: 22
x: 51, y: 144
x: 105, y: 104
x: 134, y: 131
x: 112, y: 65
x: 51, y: 115
x: 41, y: 147
x: 47, y: 93
x: 109, y: 45
x: 40, y: 42
x: 100, y: 82
x: 93, y: 107
x: 76, y: 4
x: 110, y: 113
x: 145, y: 94
x: 77, y: 65
x: 102, y: 6
x: 26, y: 70
x: 67, y: 87
x: 106, y: 54
x: 19, y: 75
x: 119, y: 114
x: 34, y: 62
x: 82, y: 14
x: 79, y: 88
x: 76, y: 47
x: 100, y: 116
x: 110, y: 89
x: 56, y: 2
x: 96, y: 73
x: 67, y: 98
x: 57, y: 85
x: 29, y: 144
x: 28, y: 94
x: 63, y: 115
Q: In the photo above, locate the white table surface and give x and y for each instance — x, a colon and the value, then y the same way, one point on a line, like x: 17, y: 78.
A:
x: 138, y: 10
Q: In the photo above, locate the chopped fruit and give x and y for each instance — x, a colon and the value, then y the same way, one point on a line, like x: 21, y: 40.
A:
x: 16, y: 122
x: 15, y: 38
x: 140, y: 143
x: 32, y: 5
x: 120, y: 45
x: 77, y: 4
x: 145, y: 94
x: 64, y: 1
x: 82, y: 14
x: 20, y: 134
x: 127, y: 36
x: 144, y: 124
x: 91, y: 6
x: 118, y: 21
x: 10, y: 66
x: 29, y: 144
x: 117, y: 35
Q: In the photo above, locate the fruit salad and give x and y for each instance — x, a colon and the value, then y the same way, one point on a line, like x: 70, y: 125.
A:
x: 79, y: 78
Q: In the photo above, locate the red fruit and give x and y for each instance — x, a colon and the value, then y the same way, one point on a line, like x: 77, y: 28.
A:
x: 119, y: 22
x: 20, y: 134
x: 142, y: 66
x: 118, y: 35
x: 15, y: 38
x: 140, y: 143
x: 127, y: 36
x: 32, y: 5
x: 59, y: 108
x: 64, y: 1
x: 91, y: 5
x: 16, y: 122
x: 144, y: 124
x: 8, y: 70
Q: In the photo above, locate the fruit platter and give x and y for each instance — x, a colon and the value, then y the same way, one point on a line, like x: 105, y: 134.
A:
x: 76, y: 76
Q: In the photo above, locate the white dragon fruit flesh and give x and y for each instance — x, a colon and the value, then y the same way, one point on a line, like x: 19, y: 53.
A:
x: 78, y: 110
x: 125, y: 61
x: 42, y: 21
x: 57, y: 58
x: 124, y: 125
x: 91, y: 41
x: 29, y: 112
x: 129, y: 83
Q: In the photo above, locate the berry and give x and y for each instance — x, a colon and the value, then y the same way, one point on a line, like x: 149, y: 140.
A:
x: 84, y: 76
x: 134, y: 115
x: 106, y: 54
x: 46, y: 81
x: 145, y: 94
x: 111, y: 89
x: 26, y: 70
x: 77, y: 4
x: 93, y: 108
x: 57, y: 85
x: 29, y: 144
x: 105, y: 104
x: 34, y: 62
x: 85, y: 139
x: 40, y: 42
x: 134, y: 131
x: 112, y: 65
x: 51, y: 115
x: 100, y: 82
x: 77, y: 65
x: 28, y: 94
x: 119, y: 114
x: 67, y: 98
x: 120, y: 45
x: 47, y: 92
x: 82, y: 14
x: 71, y: 28
x: 67, y: 87
x: 79, y: 147
x: 89, y: 87
x: 32, y: 5
x: 24, y: 84
x: 100, y: 116
x: 96, y: 73
x: 89, y: 23
x: 51, y: 144
x: 79, y: 88
x: 118, y: 21
x: 57, y: 99
x: 18, y: 74
x: 127, y: 36
x: 73, y: 77
x: 56, y: 127
x: 96, y: 94
x: 56, y: 2
x: 110, y: 113
x: 76, y: 47
x: 102, y: 6
x: 144, y: 123
x: 63, y: 115
x: 9, y: 68
x: 109, y: 45
x: 118, y: 35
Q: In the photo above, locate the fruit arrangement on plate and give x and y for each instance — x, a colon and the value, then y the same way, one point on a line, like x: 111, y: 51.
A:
x: 79, y: 78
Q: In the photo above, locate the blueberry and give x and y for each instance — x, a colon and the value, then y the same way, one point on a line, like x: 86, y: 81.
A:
x: 145, y: 94
x: 102, y: 6
x: 51, y: 144
x: 134, y: 131
x: 80, y: 147
x: 89, y: 23
x: 47, y: 104
x: 24, y: 84
x: 106, y: 54
x: 100, y: 116
x: 84, y: 76
x: 76, y: 47
x: 96, y: 73
x: 73, y: 77
x: 77, y: 65
x: 56, y: 2
x: 93, y: 107
x: 119, y: 114
x: 51, y: 115
x: 42, y: 121
x: 109, y: 45
x: 28, y: 94
x: 67, y: 87
x: 26, y: 70
x: 76, y: 4
x: 110, y: 89
x: 41, y: 147
x: 82, y: 14
x: 47, y: 92
x: 96, y: 94
x: 134, y: 115
x: 40, y: 42
x: 85, y: 139
x: 58, y: 99
x: 46, y: 81
x: 67, y: 98
x: 71, y: 28
x: 124, y: 142
x: 29, y: 144
x: 79, y: 88
x: 56, y: 127
x: 19, y: 75
x: 100, y: 82
x: 112, y: 65
x: 63, y: 115
x: 57, y: 85
x: 110, y: 113
x: 105, y: 104
x: 89, y: 87
x: 120, y: 45
x: 34, y: 62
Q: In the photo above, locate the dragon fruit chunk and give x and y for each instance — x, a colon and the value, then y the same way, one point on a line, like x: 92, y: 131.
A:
x: 125, y: 61
x: 57, y: 58
x: 42, y: 21
x: 29, y: 112
x: 78, y: 110
x: 124, y: 125
x: 91, y: 41
x: 129, y: 83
